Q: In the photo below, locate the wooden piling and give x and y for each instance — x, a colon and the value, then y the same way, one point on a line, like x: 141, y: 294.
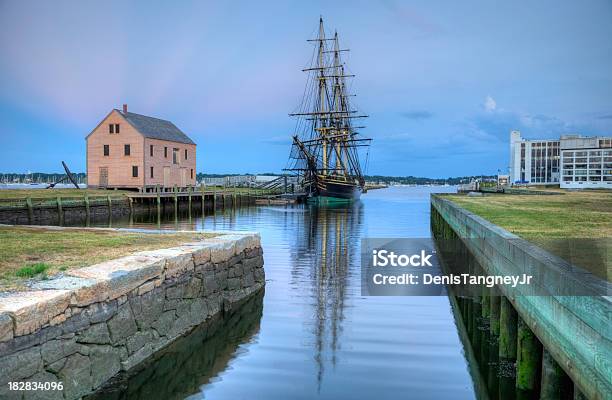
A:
x: 552, y: 376
x: 130, y: 200
x: 30, y: 209
x: 175, y: 204
x: 486, y: 304
x: 87, y: 214
x: 494, y: 302
x: 507, y: 330
x: 60, y: 212
x: 529, y: 352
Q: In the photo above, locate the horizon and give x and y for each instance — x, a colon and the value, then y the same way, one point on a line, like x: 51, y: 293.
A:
x: 443, y: 84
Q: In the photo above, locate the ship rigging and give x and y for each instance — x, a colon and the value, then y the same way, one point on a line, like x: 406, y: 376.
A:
x: 327, y: 146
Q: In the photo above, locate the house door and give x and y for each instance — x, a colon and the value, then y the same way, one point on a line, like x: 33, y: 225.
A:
x: 103, y: 177
x: 183, y: 177
x: 167, y: 177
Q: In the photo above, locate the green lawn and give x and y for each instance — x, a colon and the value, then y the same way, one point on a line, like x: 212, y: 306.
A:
x: 27, y: 252
x: 576, y: 226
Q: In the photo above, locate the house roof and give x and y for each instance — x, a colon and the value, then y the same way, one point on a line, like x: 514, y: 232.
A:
x: 156, y: 128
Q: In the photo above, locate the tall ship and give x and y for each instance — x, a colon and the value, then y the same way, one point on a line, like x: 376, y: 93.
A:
x: 327, y: 147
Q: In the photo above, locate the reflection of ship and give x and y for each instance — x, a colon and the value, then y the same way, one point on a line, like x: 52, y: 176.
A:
x: 329, y: 247
x: 326, y: 145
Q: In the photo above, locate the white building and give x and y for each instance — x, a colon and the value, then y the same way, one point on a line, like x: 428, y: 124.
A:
x: 534, y: 162
x: 573, y: 161
x: 586, y: 162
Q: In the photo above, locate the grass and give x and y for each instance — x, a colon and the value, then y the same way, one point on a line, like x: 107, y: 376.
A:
x: 27, y: 252
x: 576, y: 226
x: 32, y: 270
x: 17, y: 194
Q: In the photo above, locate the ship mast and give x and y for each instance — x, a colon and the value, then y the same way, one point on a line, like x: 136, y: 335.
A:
x: 325, y: 144
x: 322, y: 94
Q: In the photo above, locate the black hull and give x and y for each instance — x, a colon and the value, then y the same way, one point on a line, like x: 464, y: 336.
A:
x: 336, y: 191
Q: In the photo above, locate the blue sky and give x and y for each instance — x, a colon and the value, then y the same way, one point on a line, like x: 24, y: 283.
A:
x: 443, y: 82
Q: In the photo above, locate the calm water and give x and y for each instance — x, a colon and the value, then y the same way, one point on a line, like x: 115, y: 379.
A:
x: 313, y: 335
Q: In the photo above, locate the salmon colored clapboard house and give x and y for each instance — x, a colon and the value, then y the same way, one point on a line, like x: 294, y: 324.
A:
x: 133, y: 151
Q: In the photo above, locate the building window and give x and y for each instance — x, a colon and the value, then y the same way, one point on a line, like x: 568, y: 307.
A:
x: 165, y: 152
x: 175, y: 156
x: 151, y: 150
x: 134, y: 171
x: 116, y: 128
x: 111, y: 128
x: 151, y: 172
x: 106, y: 149
x: 185, y: 154
x: 192, y: 173
x: 126, y: 149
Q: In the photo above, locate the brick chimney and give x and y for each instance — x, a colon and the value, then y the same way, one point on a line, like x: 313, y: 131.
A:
x: 125, y: 108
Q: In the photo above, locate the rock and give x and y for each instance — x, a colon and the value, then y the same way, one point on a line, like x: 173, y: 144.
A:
x: 31, y: 310
x: 192, y: 290
x: 20, y: 365
x: 116, y: 278
x: 221, y: 251
x: 96, y: 334
x: 122, y: 324
x: 41, y: 377
x: 164, y: 323
x: 147, y: 308
x: 6, y: 327
x: 233, y: 283
x: 54, y: 350
x: 106, y: 362
x: 199, y: 311
x: 177, y: 260
x: 76, y: 375
x: 137, y: 341
x: 99, y: 312
x: 146, y: 287
x: 248, y: 280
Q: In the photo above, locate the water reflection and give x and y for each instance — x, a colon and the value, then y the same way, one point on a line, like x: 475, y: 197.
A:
x: 318, y: 337
x: 195, y: 360
x: 328, y: 248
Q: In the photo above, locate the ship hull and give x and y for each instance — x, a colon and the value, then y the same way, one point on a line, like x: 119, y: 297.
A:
x: 329, y: 192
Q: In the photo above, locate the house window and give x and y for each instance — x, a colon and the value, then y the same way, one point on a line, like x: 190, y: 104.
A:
x: 111, y: 128
x: 175, y: 156
x: 116, y: 128
x: 185, y: 154
x: 106, y: 149
x: 192, y: 173
x: 151, y: 172
x: 126, y: 149
x: 134, y: 171
x: 165, y: 152
x: 151, y: 150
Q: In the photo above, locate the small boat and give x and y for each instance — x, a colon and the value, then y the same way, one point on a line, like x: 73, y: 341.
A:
x: 327, y: 147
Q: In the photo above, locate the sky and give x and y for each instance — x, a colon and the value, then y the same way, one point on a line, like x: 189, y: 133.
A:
x: 443, y: 82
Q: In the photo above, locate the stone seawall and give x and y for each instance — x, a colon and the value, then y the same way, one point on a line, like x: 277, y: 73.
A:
x: 574, y: 329
x: 87, y: 326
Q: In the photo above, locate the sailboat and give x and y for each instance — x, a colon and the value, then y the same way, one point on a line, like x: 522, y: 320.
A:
x: 327, y: 146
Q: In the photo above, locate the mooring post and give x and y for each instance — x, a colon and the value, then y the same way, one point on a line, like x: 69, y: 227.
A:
x: 158, y: 205
x: 202, y: 190
x: 87, y: 209
x: 59, y: 210
x: 30, y: 209
x: 507, y: 330
x: 131, y: 205
x: 175, y: 205
x: 189, y: 199
x: 528, y: 354
x: 552, y: 375
x: 486, y: 302
x: 494, y: 302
